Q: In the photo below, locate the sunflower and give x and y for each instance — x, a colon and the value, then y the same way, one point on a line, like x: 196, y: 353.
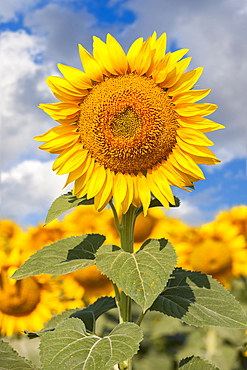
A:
x: 27, y: 303
x: 236, y: 216
x: 216, y: 249
x: 39, y: 236
x: 86, y: 286
x: 128, y: 125
x: 86, y: 220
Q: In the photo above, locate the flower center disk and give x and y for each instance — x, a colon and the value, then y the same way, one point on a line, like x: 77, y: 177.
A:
x: 128, y: 123
x: 18, y: 298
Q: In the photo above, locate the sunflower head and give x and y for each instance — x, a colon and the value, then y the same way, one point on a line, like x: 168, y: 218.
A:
x: 26, y: 303
x: 216, y: 249
x: 129, y: 125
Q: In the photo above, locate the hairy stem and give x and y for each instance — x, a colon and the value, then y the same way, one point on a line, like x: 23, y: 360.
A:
x: 126, y: 233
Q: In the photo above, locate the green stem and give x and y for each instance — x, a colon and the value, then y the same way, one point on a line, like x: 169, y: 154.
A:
x: 127, y: 244
x: 126, y: 233
x: 140, y: 318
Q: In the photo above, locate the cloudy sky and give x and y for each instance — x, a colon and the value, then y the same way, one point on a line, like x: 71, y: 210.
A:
x: 38, y: 34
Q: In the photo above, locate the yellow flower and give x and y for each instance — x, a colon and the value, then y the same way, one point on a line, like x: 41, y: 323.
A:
x: 10, y: 234
x: 86, y: 220
x: 28, y: 303
x: 40, y: 236
x: 129, y: 125
x: 85, y: 286
x: 216, y: 249
x: 8, y: 229
x: 236, y: 216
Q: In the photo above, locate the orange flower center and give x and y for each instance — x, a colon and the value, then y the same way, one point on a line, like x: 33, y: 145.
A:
x: 128, y: 123
x: 211, y: 257
x: 18, y: 298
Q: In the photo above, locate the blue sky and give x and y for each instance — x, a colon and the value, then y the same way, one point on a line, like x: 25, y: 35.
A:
x: 36, y: 35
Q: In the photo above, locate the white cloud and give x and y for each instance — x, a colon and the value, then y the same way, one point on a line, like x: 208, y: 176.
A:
x: 11, y: 8
x: 29, y: 189
x: 197, y: 207
x: 187, y: 212
x: 23, y: 83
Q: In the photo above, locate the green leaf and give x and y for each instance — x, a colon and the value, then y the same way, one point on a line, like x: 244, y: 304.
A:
x: 156, y: 203
x: 70, y: 347
x: 197, y: 299
x: 195, y: 363
x: 100, y: 306
x: 88, y: 315
x: 62, y: 257
x: 141, y: 275
x: 10, y: 359
x: 63, y: 204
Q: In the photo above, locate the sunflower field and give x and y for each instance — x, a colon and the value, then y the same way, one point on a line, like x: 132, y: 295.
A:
x: 218, y: 248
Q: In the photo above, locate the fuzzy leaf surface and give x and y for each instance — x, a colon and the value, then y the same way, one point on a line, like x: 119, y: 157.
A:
x: 88, y: 315
x: 62, y: 257
x: 141, y: 275
x: 198, y: 299
x: 70, y: 347
x: 64, y: 203
x: 195, y: 363
x: 10, y: 359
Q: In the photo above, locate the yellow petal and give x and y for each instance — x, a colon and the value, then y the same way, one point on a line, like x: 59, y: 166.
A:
x: 199, y: 123
x: 190, y: 96
x: 159, y: 72
x: 76, y: 77
x: 63, y: 90
x: 175, y: 177
x: 74, y: 175
x: 195, y: 149
x: 136, y: 197
x: 49, y: 135
x: 144, y: 59
x: 191, y: 136
x: 155, y: 189
x: 90, y: 65
x: 105, y: 194
x: 101, y: 54
x: 64, y: 108
x: 73, y: 162
x: 205, y: 160
x: 187, y: 164
x: 144, y: 192
x: 129, y: 194
x: 177, y: 55
x: 117, y: 55
x: 133, y: 53
x: 60, y: 142
x: 160, y: 178
x: 119, y: 190
x: 188, y: 110
x: 63, y: 157
x: 97, y: 181
x: 81, y: 182
x: 160, y: 48
x: 187, y: 80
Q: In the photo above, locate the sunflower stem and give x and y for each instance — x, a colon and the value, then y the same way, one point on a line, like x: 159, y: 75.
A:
x: 116, y: 220
x: 126, y: 232
x: 140, y: 318
x: 127, y: 244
